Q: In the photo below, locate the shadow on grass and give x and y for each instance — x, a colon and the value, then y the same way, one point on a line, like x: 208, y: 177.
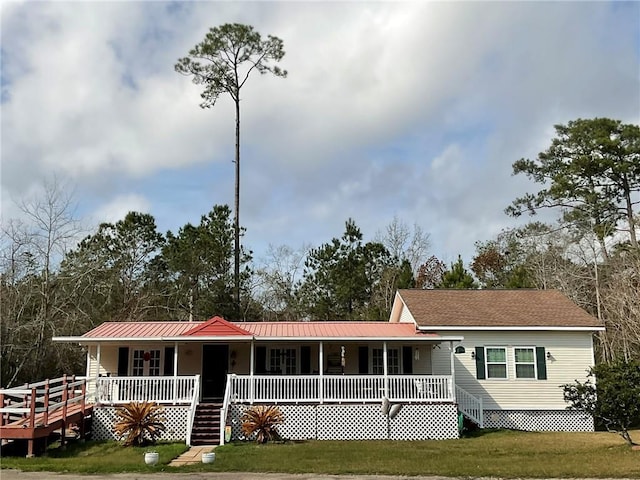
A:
x: 487, y: 432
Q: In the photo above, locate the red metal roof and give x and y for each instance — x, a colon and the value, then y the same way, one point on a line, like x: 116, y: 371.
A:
x: 139, y: 329
x: 330, y: 329
x: 216, y: 327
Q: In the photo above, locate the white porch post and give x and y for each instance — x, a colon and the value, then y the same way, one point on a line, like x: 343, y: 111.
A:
x: 320, y: 371
x: 452, y: 390
x: 88, y: 371
x: 175, y: 372
x: 385, y: 369
x: 251, y: 379
x: 98, y: 360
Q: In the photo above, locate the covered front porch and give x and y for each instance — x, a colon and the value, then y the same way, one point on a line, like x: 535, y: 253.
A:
x: 315, y: 406
x: 315, y: 367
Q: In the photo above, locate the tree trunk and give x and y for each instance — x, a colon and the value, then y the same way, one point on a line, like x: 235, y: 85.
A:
x: 629, y: 211
x: 236, y: 271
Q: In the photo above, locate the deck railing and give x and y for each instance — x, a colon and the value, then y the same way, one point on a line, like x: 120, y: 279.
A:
x: 340, y: 388
x: 165, y: 390
x: 43, y: 398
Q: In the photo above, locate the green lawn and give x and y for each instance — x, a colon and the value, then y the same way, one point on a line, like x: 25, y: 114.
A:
x: 504, y: 454
x: 94, y: 457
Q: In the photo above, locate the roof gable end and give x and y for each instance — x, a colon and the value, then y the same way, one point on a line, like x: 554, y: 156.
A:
x: 216, y: 327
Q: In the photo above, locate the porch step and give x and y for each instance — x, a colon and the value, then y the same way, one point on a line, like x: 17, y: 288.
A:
x: 206, y: 424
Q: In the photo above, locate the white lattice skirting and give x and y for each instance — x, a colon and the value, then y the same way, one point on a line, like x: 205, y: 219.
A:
x: 104, y: 418
x: 359, y: 422
x: 539, y: 420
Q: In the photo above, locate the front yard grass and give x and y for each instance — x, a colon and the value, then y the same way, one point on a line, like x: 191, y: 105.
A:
x: 94, y: 457
x: 499, y: 453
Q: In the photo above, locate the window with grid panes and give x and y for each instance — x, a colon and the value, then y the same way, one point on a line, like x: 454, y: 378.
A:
x: 525, y: 362
x: 140, y: 367
x: 496, y: 361
x: 283, y: 360
x: 393, y: 361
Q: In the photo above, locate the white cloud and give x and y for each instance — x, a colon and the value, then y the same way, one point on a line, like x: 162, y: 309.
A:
x: 414, y: 108
x: 118, y: 207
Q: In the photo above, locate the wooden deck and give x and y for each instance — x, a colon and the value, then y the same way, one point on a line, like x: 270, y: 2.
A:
x: 36, y: 410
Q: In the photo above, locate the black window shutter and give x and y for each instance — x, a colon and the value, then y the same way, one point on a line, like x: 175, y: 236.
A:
x: 261, y: 360
x: 541, y: 363
x: 123, y: 361
x: 168, y: 360
x: 363, y: 360
x: 407, y: 360
x: 480, y: 363
x: 305, y: 360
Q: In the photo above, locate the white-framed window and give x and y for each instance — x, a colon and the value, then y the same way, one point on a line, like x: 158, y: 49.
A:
x: 283, y: 361
x: 496, y: 362
x: 525, y: 362
x: 145, y: 363
x: 393, y: 361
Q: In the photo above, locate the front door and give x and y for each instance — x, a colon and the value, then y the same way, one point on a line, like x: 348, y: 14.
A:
x: 215, y: 365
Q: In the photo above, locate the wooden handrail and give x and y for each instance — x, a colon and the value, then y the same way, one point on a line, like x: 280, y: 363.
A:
x: 46, y: 403
x: 32, y: 408
x: 37, y: 401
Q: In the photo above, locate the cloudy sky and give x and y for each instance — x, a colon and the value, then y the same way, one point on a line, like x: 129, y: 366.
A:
x: 407, y: 109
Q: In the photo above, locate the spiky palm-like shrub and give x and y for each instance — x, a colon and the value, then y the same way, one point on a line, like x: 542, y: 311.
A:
x: 139, y: 423
x: 263, y: 421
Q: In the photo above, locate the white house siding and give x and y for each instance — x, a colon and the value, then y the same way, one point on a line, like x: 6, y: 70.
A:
x: 441, y: 360
x: 189, y: 359
x: 571, y: 357
x: 406, y: 316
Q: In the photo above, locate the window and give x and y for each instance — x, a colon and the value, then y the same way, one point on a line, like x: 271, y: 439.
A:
x: 496, y: 362
x: 146, y: 363
x: 138, y: 363
x: 393, y: 361
x: 525, y: 362
x: 283, y: 361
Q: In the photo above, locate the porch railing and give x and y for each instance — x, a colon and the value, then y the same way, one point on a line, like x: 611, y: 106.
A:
x: 165, y: 390
x: 340, y: 388
x: 192, y: 408
x: 225, y: 408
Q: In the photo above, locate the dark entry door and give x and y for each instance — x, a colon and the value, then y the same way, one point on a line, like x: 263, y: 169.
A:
x: 215, y: 365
